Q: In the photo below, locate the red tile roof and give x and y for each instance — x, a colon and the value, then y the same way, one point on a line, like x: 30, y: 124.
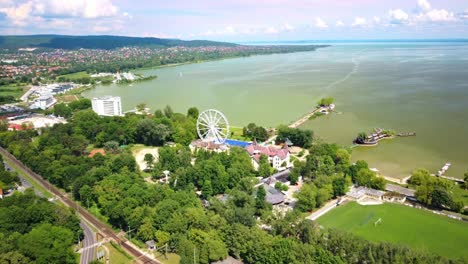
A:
x: 255, y: 150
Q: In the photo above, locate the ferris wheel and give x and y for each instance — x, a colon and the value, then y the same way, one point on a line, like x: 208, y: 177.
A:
x: 212, y: 126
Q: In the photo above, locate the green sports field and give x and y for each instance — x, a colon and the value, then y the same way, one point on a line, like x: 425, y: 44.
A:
x: 403, y: 225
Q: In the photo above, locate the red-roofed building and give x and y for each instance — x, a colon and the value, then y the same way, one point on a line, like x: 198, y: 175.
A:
x: 19, y: 127
x: 276, y: 156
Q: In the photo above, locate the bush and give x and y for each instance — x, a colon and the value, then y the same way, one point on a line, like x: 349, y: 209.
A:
x: 281, y: 187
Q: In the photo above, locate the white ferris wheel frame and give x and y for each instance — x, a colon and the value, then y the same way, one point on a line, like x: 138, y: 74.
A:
x: 212, y: 125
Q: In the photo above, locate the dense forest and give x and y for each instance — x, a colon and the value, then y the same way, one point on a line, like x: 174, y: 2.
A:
x: 34, y: 230
x: 175, y: 214
x: 97, y: 42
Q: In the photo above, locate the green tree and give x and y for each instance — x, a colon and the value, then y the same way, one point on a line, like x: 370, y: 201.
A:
x: 207, y: 189
x: 149, y: 159
x: 326, y: 101
x: 140, y: 107
x: 146, y: 231
x: 294, y: 176
x: 340, y: 186
x: 306, y: 197
x: 158, y: 113
x: 150, y: 133
x: 162, y: 238
x: 441, y: 197
x: 48, y: 244
x: 62, y: 110
x: 361, y: 138
x: 260, y: 198
x: 168, y: 112
x: 264, y: 168
x: 112, y: 146
x: 466, y: 180
x: 193, y: 112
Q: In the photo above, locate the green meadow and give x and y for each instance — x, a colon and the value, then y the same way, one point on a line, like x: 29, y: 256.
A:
x: 402, y: 225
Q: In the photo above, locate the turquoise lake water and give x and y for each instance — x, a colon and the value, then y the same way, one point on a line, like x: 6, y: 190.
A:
x: 408, y: 87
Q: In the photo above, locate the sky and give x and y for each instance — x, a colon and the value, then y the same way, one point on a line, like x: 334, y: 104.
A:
x: 239, y: 20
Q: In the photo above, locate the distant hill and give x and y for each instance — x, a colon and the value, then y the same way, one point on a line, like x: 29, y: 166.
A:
x: 97, y: 42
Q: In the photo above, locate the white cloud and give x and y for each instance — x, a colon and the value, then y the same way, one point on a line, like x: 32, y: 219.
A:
x: 359, y: 22
x: 127, y: 15
x: 320, y: 23
x: 424, y: 5
x: 287, y: 28
x: 339, y: 23
x: 398, y: 16
x: 229, y: 30
x: 271, y: 30
x: 4, y: 3
x: 18, y: 15
x: 376, y: 19
x: 29, y: 13
x: 464, y: 15
x: 437, y: 15
x: 76, y: 8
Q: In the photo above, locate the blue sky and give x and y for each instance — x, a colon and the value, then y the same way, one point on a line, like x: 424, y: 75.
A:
x: 239, y: 20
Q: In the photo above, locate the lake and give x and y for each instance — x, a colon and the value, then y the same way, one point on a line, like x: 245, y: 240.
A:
x: 408, y: 87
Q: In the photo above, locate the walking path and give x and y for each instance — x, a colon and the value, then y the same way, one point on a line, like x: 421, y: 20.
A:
x: 325, y: 209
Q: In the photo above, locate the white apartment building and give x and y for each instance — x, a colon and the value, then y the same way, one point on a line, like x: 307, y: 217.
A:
x: 107, y: 106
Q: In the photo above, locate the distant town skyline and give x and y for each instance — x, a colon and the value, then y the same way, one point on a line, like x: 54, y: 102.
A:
x: 239, y: 20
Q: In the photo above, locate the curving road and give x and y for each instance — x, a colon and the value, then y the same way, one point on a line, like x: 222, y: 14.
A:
x: 87, y: 255
x: 101, y: 227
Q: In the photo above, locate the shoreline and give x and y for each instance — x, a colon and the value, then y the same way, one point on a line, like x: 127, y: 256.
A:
x: 219, y: 59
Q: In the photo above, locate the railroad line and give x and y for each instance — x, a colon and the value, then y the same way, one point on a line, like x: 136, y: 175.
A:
x: 83, y: 213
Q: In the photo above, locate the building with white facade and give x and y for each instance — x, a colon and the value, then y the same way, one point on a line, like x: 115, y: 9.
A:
x: 278, y: 158
x: 43, y: 102
x: 107, y: 105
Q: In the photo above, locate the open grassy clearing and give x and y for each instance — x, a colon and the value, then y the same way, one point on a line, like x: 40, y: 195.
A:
x: 171, y: 258
x: 117, y: 255
x: 75, y: 75
x: 236, y: 133
x: 403, y: 225
x: 13, y: 89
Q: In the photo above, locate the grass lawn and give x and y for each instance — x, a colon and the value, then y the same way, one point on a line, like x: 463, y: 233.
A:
x: 75, y: 75
x: 67, y: 98
x: 171, y: 258
x: 13, y: 89
x: 117, y: 256
x: 403, y: 225
x: 236, y: 133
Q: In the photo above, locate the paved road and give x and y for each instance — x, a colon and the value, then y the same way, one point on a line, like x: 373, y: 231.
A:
x: 23, y: 181
x: 83, y: 213
x: 87, y: 255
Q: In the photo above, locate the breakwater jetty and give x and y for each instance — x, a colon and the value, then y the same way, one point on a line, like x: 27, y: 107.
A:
x: 443, y: 170
x: 304, y: 118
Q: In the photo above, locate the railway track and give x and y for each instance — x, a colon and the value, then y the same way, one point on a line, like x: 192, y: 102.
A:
x: 83, y: 213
